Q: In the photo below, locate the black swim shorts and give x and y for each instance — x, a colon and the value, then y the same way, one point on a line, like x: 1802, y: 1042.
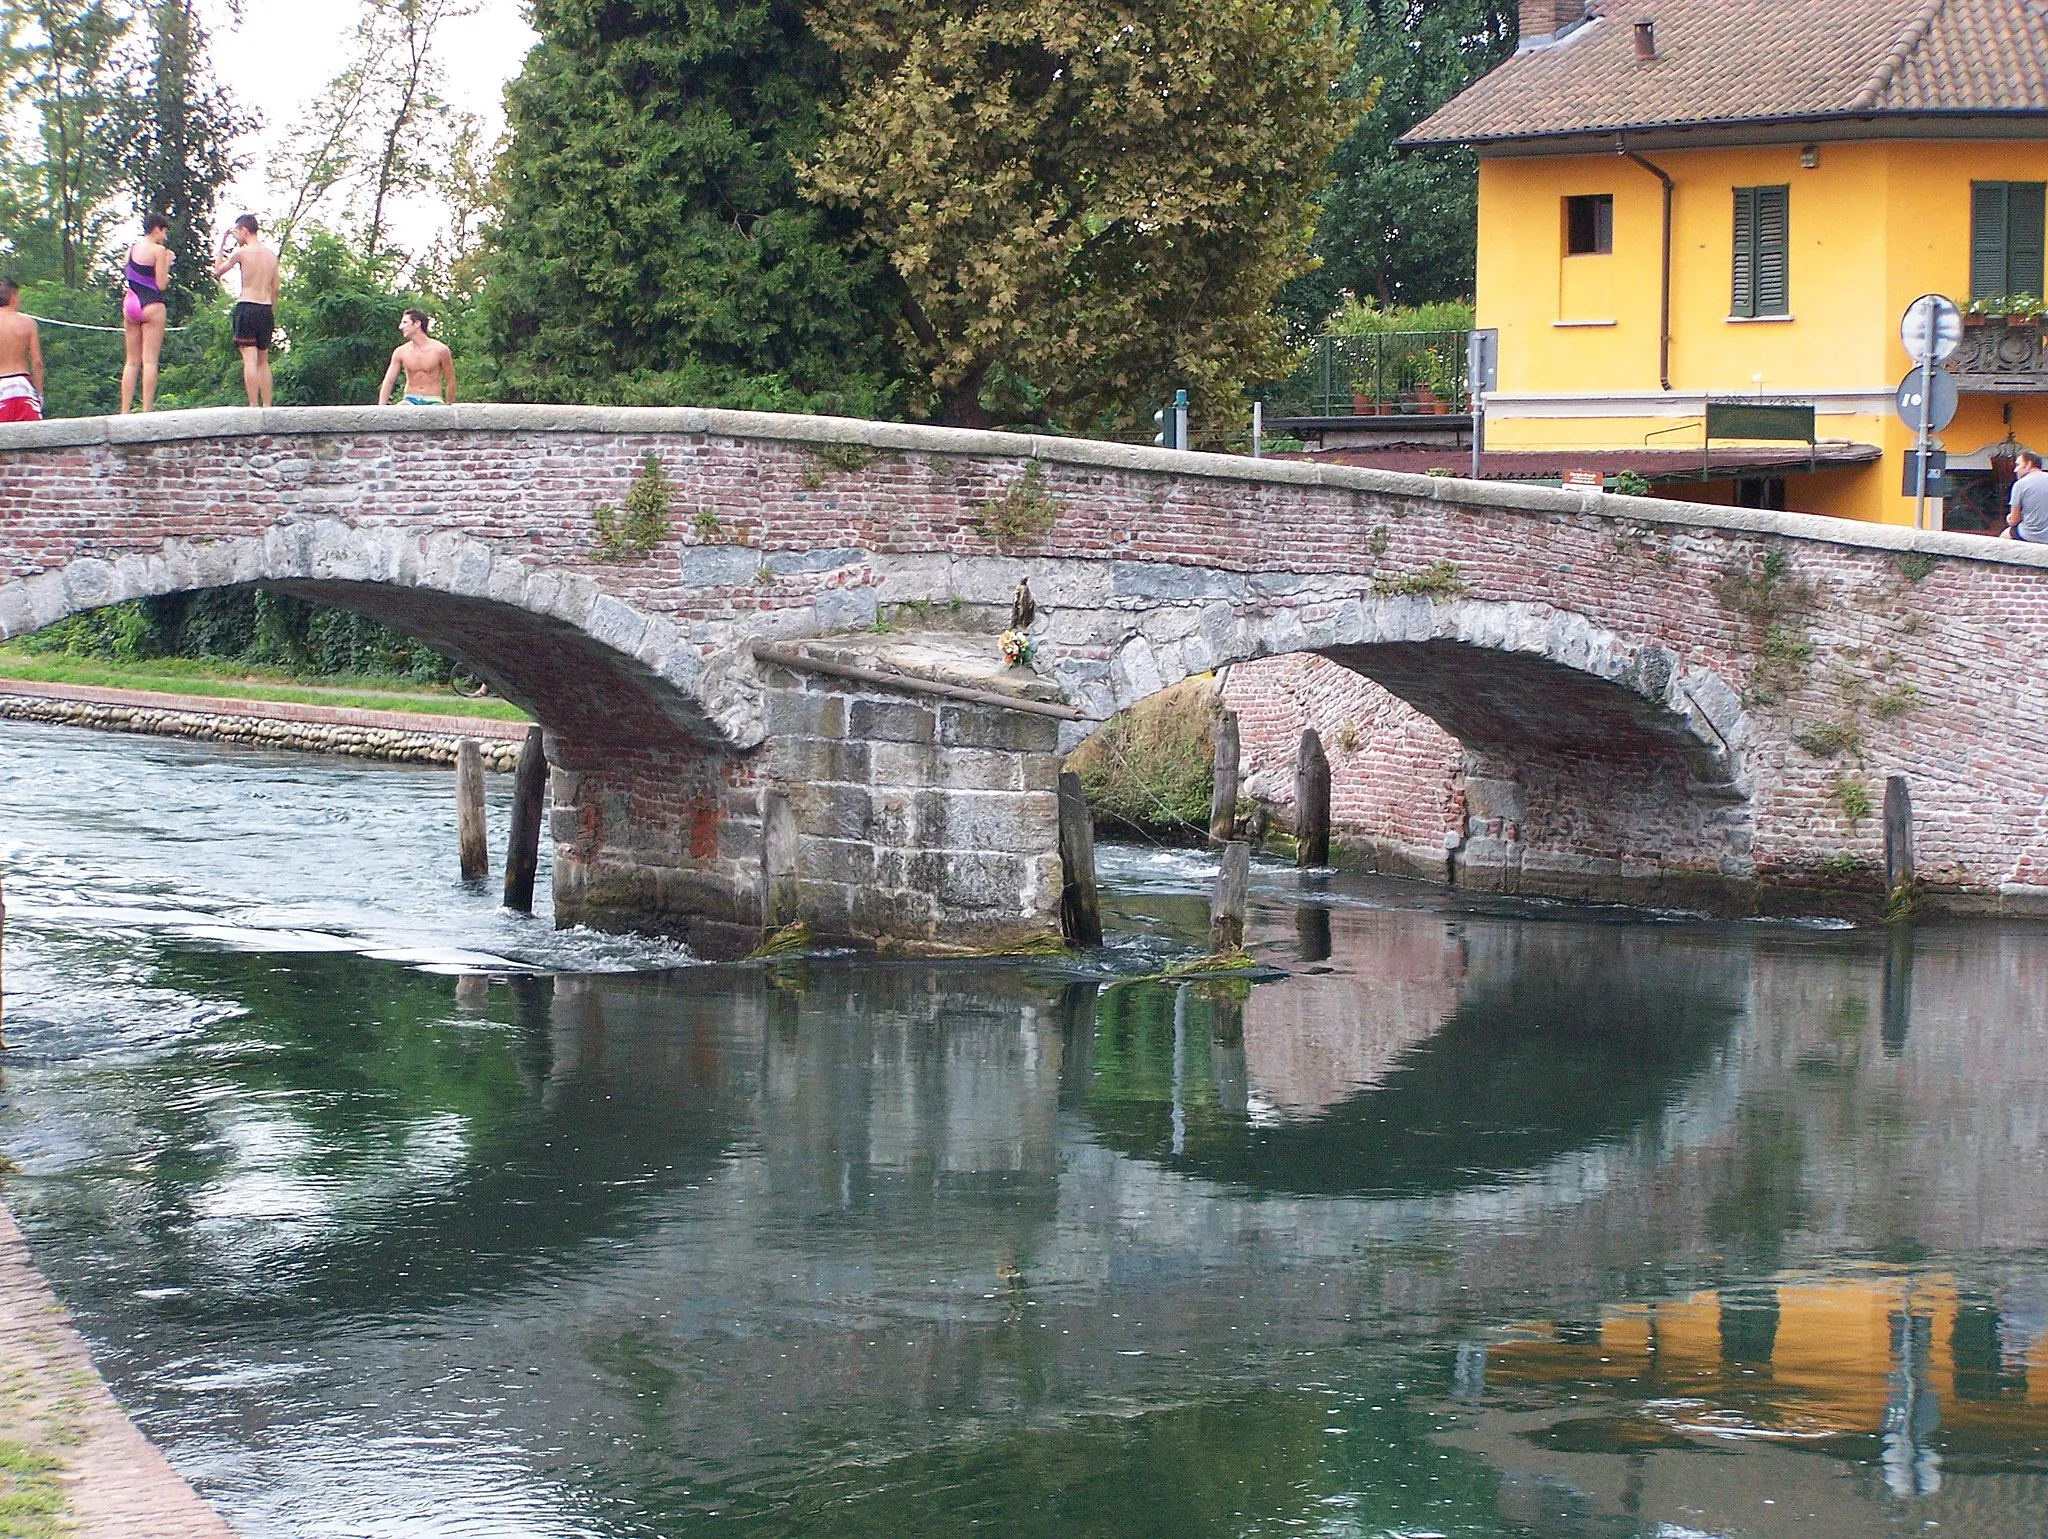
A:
x: 253, y: 325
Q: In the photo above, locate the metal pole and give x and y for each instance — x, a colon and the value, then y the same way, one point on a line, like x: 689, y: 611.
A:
x: 1258, y: 426
x: 1926, y: 414
x: 1472, y: 383
x: 1180, y: 419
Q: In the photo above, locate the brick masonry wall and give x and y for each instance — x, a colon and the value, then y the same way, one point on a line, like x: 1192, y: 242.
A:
x: 1590, y: 649
x: 1397, y: 779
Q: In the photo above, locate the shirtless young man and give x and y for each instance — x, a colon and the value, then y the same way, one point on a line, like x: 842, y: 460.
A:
x: 256, y: 314
x: 21, y: 360
x: 429, y: 366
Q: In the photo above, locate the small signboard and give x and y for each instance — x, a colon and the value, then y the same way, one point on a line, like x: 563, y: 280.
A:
x: 1937, y: 473
x: 1587, y: 478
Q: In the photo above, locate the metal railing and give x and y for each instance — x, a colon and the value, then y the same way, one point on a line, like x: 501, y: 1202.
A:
x: 1381, y: 374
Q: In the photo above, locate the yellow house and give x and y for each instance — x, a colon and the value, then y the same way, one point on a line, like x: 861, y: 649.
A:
x: 1689, y: 204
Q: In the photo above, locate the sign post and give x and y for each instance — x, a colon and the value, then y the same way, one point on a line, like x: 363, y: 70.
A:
x: 1482, y: 373
x: 1931, y: 329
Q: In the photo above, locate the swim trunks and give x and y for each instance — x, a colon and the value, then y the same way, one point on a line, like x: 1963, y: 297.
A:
x: 254, y: 325
x: 424, y: 400
x: 18, y: 399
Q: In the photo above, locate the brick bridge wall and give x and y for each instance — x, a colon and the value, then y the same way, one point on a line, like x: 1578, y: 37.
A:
x: 1598, y: 658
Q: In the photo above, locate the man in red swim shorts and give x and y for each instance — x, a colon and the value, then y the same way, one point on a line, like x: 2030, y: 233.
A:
x: 21, y: 360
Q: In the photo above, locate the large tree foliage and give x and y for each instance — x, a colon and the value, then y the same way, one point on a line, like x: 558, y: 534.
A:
x: 653, y: 246
x: 180, y: 138
x: 1402, y: 228
x: 1084, y: 203
x: 63, y: 61
x: 380, y: 131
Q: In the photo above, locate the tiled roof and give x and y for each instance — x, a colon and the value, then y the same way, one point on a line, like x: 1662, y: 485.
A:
x: 1749, y: 61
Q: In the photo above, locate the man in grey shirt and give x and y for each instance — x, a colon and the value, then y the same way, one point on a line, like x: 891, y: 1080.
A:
x: 2028, y: 519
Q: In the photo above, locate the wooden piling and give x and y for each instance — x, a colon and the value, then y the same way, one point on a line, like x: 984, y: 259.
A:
x: 1080, y: 907
x: 522, y: 845
x: 3, y: 970
x: 1223, y: 798
x: 1311, y: 802
x: 469, y: 811
x: 780, y: 906
x: 1227, y: 903
x: 1898, y: 847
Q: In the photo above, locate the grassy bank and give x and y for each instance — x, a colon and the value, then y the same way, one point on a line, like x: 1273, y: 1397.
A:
x: 1150, y: 770
x: 241, y: 681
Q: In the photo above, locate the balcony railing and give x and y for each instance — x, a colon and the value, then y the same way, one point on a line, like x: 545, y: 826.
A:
x: 2000, y: 355
x: 1383, y: 374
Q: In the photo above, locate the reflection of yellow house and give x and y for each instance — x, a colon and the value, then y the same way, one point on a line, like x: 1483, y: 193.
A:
x: 1807, y: 1362
x: 1694, y: 201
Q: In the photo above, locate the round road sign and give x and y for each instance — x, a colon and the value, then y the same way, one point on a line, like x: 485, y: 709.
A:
x: 1932, y: 326
x: 1941, y: 400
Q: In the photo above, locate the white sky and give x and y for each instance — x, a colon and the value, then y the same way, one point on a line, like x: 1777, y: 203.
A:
x: 285, y: 52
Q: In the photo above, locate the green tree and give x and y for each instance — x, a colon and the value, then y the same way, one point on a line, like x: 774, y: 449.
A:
x: 1084, y: 203
x: 1403, y: 228
x: 62, y: 60
x: 339, y: 312
x: 181, y: 137
x: 653, y: 245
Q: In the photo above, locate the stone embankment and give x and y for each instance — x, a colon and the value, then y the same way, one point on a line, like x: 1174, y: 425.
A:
x: 396, y: 736
x: 74, y: 1463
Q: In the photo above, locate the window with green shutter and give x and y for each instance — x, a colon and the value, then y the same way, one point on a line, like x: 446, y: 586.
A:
x: 1763, y: 241
x: 2007, y: 221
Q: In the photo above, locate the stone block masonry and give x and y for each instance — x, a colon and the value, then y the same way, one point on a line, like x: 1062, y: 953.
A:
x: 1650, y: 699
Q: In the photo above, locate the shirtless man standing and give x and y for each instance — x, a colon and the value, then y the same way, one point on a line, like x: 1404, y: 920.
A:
x: 429, y: 366
x: 21, y: 360
x: 256, y: 315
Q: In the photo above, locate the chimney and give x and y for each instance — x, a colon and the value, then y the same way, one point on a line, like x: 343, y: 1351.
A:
x: 1646, y: 41
x: 1545, y: 21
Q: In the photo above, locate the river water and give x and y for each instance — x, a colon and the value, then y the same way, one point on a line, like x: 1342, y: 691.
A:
x: 387, y: 1213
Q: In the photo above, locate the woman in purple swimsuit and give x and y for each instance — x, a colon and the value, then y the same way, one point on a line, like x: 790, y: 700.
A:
x: 142, y: 309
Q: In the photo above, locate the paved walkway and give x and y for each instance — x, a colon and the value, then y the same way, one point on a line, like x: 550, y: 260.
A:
x: 53, y: 1402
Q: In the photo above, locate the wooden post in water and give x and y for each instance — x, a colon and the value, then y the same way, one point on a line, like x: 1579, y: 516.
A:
x: 1223, y: 799
x: 1080, y: 909
x: 522, y: 846
x: 780, y: 906
x: 469, y: 811
x: 3, y: 970
x: 1226, y: 906
x: 1898, y: 847
x: 1311, y: 802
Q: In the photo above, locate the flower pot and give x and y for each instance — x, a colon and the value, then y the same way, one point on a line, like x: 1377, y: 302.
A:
x: 1972, y: 319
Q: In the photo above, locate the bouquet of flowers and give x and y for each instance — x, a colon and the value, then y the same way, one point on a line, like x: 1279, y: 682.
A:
x: 1018, y: 648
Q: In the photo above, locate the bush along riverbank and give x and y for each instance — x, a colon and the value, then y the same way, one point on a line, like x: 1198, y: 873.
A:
x: 1150, y: 771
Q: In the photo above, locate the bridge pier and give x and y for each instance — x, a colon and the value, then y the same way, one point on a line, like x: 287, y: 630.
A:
x: 922, y: 822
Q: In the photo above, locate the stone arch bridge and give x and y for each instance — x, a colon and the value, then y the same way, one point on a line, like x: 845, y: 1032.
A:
x: 1657, y: 701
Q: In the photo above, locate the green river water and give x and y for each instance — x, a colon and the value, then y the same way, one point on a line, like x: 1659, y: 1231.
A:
x: 387, y: 1213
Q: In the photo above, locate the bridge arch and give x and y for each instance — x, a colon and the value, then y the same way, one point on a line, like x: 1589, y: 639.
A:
x: 1582, y: 749
x: 592, y: 668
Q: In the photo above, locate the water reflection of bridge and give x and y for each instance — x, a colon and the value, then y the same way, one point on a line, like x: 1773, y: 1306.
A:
x: 827, y: 1194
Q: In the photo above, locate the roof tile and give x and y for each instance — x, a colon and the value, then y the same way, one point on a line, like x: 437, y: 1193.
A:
x: 1737, y: 61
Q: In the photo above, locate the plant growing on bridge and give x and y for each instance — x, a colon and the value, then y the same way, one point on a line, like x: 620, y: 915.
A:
x: 1440, y: 579
x: 1851, y: 798
x: 1024, y: 512
x: 1828, y: 739
x: 643, y: 523
x: 846, y: 458
x: 1771, y: 597
x: 1895, y: 702
x: 1913, y: 566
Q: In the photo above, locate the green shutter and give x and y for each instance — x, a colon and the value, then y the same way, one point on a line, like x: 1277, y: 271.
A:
x: 1987, y: 239
x: 1773, y: 250
x: 1744, y: 299
x: 2024, y: 220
